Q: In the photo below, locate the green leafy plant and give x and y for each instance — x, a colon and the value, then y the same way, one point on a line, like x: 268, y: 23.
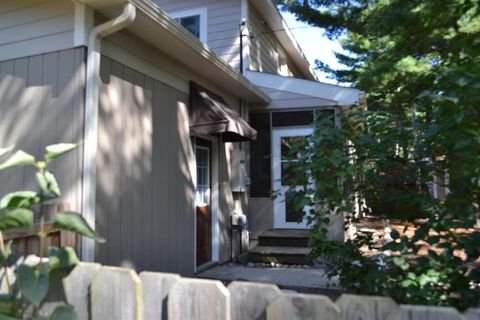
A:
x: 351, y: 165
x: 28, y: 289
x: 417, y: 62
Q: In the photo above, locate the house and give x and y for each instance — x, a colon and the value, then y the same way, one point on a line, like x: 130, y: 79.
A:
x: 166, y: 97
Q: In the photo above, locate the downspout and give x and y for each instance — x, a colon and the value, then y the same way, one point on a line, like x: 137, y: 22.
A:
x: 93, y: 83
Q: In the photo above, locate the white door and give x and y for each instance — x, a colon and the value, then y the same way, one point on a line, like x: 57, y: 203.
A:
x: 284, y: 214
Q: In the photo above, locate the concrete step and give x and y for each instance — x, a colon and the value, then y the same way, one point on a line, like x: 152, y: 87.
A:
x: 284, y: 255
x: 284, y: 238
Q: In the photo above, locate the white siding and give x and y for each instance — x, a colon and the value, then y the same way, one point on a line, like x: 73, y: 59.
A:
x: 223, y: 24
x: 29, y: 27
x: 263, y: 45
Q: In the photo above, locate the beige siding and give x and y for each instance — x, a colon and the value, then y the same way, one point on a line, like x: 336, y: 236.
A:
x: 223, y: 24
x: 145, y: 191
x: 42, y: 103
x: 144, y: 184
x: 29, y: 27
x: 260, y: 216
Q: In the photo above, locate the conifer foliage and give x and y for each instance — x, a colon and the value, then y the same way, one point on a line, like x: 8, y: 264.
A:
x: 416, y: 148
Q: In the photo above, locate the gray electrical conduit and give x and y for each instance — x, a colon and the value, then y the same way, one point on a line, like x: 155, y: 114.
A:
x: 93, y: 83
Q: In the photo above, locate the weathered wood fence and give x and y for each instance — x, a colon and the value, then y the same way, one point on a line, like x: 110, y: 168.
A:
x: 100, y: 293
x: 26, y: 241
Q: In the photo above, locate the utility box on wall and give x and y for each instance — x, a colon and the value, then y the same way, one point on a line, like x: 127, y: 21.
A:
x: 239, y: 179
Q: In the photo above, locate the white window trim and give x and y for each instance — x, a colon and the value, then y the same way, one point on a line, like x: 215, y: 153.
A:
x: 202, y: 12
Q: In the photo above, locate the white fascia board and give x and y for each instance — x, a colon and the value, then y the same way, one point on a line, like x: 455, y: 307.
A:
x: 342, y: 95
x: 157, y: 28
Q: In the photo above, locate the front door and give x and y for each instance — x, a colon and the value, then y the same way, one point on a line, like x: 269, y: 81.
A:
x: 284, y: 214
x: 203, y: 201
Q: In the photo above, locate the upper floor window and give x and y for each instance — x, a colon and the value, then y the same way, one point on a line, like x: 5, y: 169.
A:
x: 194, y: 20
x: 282, y: 64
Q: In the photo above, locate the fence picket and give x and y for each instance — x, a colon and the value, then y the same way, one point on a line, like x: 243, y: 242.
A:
x: 250, y: 300
x: 156, y: 287
x: 411, y: 312
x: 293, y: 306
x: 77, y: 287
x: 472, y: 314
x: 116, y: 294
x: 365, y: 307
x: 198, y: 299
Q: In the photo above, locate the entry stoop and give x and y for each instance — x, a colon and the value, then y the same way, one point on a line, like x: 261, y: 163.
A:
x: 286, y: 246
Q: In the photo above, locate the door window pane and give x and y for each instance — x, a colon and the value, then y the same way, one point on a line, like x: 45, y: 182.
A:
x: 291, y: 213
x: 288, y: 158
x: 202, y: 192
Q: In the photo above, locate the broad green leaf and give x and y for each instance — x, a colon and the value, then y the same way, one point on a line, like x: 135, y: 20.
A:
x: 8, y: 307
x: 407, y: 283
x: 48, y: 184
x: 19, y: 199
x: 423, y: 280
x: 8, y: 251
x: 59, y: 258
x: 15, y: 218
x: 4, y: 151
x: 55, y: 150
x: 19, y: 158
x: 401, y: 263
x: 32, y: 282
x: 64, y: 313
x: 73, y: 221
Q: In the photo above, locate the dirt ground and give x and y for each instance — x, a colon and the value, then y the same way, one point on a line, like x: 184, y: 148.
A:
x: 380, y: 227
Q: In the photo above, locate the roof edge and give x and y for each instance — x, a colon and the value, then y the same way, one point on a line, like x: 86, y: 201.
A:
x: 163, y: 19
x: 285, y: 36
x: 343, y: 95
x: 250, y: 92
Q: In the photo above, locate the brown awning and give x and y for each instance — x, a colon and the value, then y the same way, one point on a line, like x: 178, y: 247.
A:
x: 211, y: 115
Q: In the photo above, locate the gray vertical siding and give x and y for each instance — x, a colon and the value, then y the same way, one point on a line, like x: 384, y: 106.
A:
x: 29, y: 27
x: 167, y: 156
x: 42, y: 103
x: 223, y: 24
x: 145, y: 192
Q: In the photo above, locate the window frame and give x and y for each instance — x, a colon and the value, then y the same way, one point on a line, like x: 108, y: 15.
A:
x: 202, y: 13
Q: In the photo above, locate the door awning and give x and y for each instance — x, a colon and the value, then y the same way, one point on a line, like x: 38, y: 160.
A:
x: 211, y: 115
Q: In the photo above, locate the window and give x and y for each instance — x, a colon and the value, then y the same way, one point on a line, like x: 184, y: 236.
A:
x: 202, y: 192
x: 194, y: 20
x: 282, y: 66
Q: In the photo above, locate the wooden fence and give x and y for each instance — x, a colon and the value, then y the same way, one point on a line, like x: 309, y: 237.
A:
x: 100, y: 293
x: 26, y: 241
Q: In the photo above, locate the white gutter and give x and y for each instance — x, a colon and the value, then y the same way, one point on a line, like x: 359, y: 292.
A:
x: 93, y: 83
